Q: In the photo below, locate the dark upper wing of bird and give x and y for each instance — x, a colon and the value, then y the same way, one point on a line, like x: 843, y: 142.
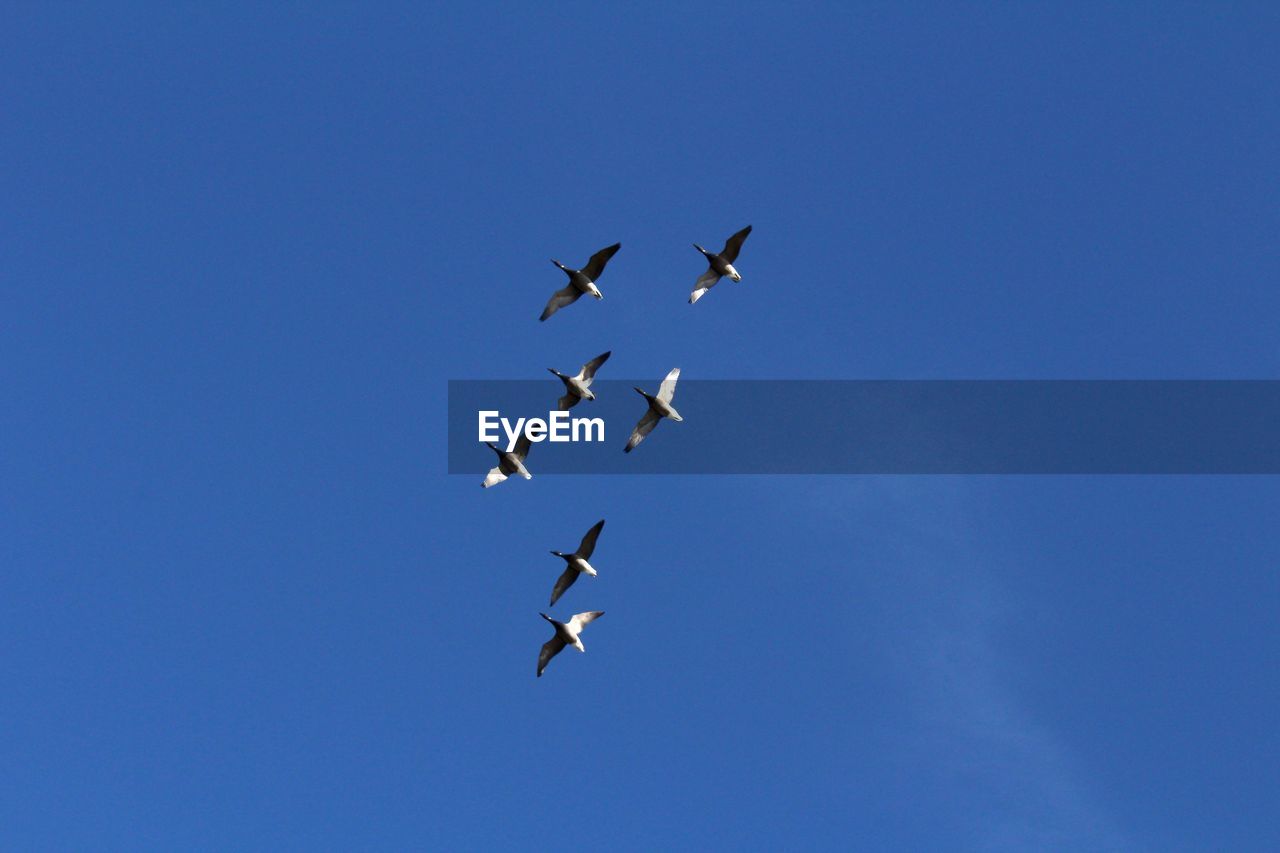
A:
x: 559, y: 299
x: 564, y: 582
x: 589, y: 541
x: 595, y: 266
x: 734, y: 244
x: 550, y: 649
x: 589, y: 369
x: 646, y: 425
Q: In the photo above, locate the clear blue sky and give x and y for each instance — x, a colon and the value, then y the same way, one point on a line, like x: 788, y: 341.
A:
x: 243, y: 249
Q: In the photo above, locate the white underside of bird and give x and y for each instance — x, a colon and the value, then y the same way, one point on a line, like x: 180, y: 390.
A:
x: 710, y: 279
x: 497, y: 475
x: 705, y: 282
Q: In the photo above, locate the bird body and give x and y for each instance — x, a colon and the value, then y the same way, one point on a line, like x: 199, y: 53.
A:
x: 578, y: 388
x: 509, y: 462
x: 575, y: 386
x: 567, y: 634
x: 581, y: 281
x: 719, y: 266
x: 577, y: 562
x: 659, y: 407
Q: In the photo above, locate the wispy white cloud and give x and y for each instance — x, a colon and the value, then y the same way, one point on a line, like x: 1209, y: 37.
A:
x: 1011, y: 773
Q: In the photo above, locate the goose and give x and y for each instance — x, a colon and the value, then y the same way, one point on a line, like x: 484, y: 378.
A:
x: 659, y: 407
x: 567, y: 634
x: 577, y: 387
x: 580, y: 281
x: 720, y: 265
x: 577, y: 561
x: 509, y: 462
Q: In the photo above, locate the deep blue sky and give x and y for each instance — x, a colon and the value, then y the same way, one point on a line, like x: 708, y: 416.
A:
x: 242, y: 250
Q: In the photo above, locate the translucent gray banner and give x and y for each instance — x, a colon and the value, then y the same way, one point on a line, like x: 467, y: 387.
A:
x: 892, y: 427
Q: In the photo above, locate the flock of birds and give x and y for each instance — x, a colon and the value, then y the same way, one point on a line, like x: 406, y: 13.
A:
x: 578, y: 388
x: 583, y: 282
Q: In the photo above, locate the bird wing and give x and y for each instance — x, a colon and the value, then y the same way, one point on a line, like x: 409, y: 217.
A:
x: 521, y: 450
x: 646, y: 425
x: 567, y: 402
x: 705, y: 282
x: 667, y: 389
x: 564, y: 582
x: 550, y: 649
x: 589, y: 369
x: 734, y: 244
x: 494, y: 477
x: 562, y: 297
x: 581, y: 620
x: 595, y: 266
x: 589, y: 541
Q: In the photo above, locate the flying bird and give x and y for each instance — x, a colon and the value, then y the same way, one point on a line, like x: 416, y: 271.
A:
x: 659, y: 407
x: 509, y: 462
x: 720, y: 265
x: 567, y: 634
x: 578, y: 387
x: 580, y: 281
x: 577, y: 561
